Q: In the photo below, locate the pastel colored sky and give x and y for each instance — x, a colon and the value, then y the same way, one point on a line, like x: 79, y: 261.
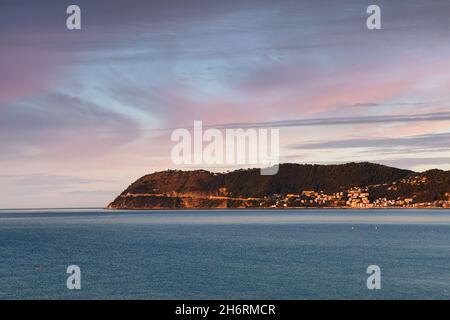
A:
x: 84, y: 113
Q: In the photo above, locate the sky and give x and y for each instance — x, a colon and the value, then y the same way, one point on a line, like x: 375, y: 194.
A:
x: 83, y: 113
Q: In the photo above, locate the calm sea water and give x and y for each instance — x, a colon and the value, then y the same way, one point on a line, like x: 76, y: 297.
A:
x: 272, y: 254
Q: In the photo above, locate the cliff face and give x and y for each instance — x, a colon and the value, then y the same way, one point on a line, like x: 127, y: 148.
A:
x: 247, y: 188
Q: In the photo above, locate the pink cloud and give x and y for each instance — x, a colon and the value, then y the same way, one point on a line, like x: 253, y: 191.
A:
x: 26, y: 71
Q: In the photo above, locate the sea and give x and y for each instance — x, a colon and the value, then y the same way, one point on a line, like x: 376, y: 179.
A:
x: 225, y: 254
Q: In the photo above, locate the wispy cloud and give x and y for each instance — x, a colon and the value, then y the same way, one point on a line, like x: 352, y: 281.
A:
x: 419, y: 162
x: 59, y: 124
x: 437, y: 116
x: 52, y: 180
x: 424, y: 142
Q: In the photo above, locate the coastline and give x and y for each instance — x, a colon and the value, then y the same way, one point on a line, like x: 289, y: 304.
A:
x: 227, y: 209
x: 271, y: 209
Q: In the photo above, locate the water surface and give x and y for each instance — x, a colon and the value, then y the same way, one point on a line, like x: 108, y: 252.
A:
x: 222, y: 254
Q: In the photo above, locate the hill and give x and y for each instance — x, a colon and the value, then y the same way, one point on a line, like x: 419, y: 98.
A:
x: 247, y: 188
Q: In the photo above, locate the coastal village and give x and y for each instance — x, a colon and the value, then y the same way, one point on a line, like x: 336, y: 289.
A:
x: 354, y: 197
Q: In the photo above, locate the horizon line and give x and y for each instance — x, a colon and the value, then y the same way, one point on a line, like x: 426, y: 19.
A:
x: 54, y: 208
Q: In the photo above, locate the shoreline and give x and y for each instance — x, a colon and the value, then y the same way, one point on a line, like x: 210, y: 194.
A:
x: 269, y: 209
x: 228, y: 209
